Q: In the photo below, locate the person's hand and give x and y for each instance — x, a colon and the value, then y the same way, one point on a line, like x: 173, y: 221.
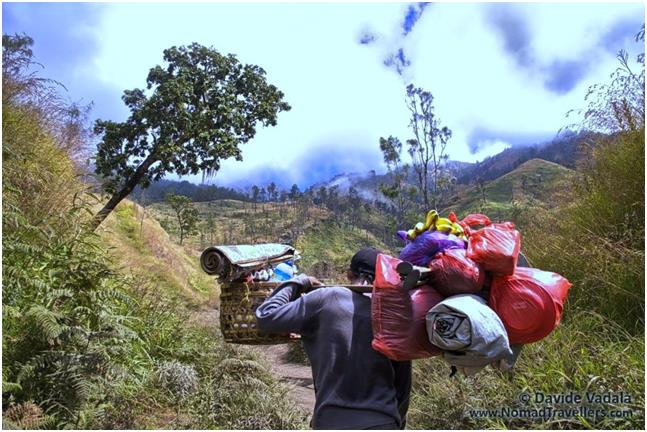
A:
x: 314, y: 282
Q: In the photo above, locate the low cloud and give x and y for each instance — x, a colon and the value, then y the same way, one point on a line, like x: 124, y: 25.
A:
x: 482, y: 138
x: 323, y: 160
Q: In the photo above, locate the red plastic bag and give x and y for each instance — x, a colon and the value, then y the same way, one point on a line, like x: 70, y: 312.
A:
x: 398, y: 317
x: 476, y: 219
x: 470, y: 221
x: 495, y: 247
x: 386, y: 275
x: 529, y: 303
x: 452, y: 272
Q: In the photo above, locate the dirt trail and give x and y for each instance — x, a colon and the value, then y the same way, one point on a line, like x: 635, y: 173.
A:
x: 297, y: 377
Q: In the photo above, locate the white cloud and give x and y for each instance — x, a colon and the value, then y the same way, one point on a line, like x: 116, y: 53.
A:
x: 460, y: 58
x: 491, y: 147
x: 340, y: 91
x: 336, y: 87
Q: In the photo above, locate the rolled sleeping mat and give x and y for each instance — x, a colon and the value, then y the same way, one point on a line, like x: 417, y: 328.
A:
x: 214, y: 262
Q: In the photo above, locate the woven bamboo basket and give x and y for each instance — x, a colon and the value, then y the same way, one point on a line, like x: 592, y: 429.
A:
x: 238, y: 303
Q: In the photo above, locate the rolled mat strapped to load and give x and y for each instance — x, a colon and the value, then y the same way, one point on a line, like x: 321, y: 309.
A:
x: 238, y: 299
x: 231, y: 262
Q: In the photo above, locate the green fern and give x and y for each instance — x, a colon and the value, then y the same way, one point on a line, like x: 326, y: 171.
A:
x: 63, y: 319
x: 9, y: 387
x: 47, y: 321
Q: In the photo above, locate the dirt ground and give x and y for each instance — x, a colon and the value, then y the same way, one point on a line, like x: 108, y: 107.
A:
x: 297, y: 377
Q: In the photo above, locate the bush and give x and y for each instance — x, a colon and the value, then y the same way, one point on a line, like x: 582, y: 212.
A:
x: 596, y: 239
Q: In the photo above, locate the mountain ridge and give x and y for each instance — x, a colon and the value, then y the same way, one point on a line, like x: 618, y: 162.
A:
x: 565, y: 151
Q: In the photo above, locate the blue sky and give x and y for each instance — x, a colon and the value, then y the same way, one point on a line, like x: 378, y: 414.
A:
x: 502, y: 74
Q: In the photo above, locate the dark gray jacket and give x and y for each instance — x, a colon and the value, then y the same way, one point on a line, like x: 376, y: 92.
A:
x: 356, y: 387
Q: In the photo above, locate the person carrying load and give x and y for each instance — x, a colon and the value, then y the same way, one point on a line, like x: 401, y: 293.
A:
x: 356, y: 387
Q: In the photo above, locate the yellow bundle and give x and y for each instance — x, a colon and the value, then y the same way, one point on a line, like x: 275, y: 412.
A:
x: 433, y: 222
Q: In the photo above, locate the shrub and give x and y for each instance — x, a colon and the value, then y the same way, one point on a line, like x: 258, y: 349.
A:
x: 596, y: 238
x: 62, y: 319
x: 178, y: 379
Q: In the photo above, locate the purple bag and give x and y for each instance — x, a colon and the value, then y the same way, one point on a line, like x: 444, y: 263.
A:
x: 423, y: 248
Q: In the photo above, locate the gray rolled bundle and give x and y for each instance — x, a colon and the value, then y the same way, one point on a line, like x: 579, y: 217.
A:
x: 468, y: 331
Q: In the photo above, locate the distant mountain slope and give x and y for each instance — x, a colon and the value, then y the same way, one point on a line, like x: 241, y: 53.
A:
x: 565, y: 151
x: 157, y: 191
x: 326, y: 244
x: 327, y: 248
x: 534, y: 183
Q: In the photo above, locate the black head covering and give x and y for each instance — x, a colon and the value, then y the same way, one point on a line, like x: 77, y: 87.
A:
x: 363, y: 262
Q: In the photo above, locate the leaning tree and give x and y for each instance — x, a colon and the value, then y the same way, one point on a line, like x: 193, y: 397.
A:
x: 194, y: 113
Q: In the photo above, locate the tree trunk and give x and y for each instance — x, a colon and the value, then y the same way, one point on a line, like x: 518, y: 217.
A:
x: 130, y: 185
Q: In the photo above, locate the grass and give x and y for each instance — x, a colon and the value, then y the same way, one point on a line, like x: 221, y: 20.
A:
x: 142, y: 248
x: 238, y: 222
x: 234, y: 388
x: 327, y: 248
x: 586, y: 354
x: 535, y: 183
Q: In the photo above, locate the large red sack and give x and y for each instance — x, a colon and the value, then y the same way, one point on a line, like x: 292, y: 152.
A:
x: 452, y: 272
x: 529, y: 303
x: 398, y: 317
x: 495, y: 247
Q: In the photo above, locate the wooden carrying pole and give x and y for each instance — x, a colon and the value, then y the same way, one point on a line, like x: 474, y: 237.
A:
x: 356, y: 288
x: 412, y: 276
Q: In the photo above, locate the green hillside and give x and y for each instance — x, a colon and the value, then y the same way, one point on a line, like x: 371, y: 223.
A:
x: 143, y: 249
x: 326, y: 243
x: 535, y: 183
x: 327, y: 248
x: 238, y: 222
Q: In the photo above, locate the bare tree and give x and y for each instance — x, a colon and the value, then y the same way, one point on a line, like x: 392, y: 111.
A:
x: 427, y: 149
